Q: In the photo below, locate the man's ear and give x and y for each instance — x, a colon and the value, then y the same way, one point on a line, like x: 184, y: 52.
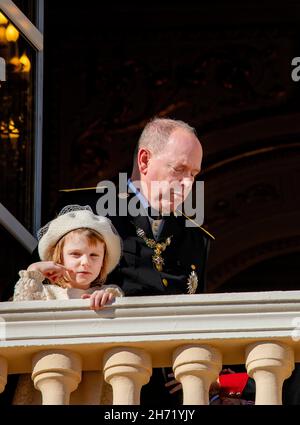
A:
x: 143, y: 158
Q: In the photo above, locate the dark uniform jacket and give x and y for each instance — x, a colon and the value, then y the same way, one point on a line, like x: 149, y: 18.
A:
x: 136, y: 273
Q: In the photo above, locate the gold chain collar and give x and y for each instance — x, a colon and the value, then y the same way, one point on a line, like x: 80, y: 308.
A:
x: 158, y: 247
x: 158, y: 261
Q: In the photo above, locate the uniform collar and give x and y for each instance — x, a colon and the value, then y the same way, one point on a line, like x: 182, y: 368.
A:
x: 138, y: 194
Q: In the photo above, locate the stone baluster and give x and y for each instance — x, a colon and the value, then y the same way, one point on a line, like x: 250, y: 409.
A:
x: 127, y: 370
x: 269, y: 364
x: 56, y: 373
x: 196, y: 367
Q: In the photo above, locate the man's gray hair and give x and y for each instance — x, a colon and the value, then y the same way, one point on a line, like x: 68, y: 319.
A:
x: 157, y: 132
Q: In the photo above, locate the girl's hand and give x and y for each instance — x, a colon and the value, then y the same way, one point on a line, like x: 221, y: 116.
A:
x: 49, y: 269
x: 98, y: 298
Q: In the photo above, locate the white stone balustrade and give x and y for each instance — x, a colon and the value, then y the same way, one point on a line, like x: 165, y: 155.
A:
x: 269, y: 363
x: 127, y: 370
x: 196, y: 367
x: 56, y: 373
x: 192, y: 333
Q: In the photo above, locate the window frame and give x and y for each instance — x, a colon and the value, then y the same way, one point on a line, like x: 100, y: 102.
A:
x: 34, y: 35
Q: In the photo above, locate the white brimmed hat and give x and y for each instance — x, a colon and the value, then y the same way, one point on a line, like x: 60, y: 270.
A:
x: 73, y: 217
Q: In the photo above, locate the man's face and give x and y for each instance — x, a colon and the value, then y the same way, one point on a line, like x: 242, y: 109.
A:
x: 169, y: 174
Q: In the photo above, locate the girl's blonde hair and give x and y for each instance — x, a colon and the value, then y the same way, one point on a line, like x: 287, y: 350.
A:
x: 93, y: 237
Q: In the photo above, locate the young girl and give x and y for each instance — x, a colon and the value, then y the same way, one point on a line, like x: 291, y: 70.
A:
x: 77, y: 250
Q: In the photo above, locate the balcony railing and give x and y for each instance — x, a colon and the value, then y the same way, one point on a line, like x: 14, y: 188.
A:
x: 57, y: 342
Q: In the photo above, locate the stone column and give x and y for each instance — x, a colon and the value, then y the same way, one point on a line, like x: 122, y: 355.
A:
x: 56, y: 373
x: 196, y: 367
x: 3, y: 373
x: 269, y: 364
x: 127, y: 370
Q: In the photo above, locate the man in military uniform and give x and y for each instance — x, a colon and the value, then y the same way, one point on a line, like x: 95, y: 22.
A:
x: 161, y: 254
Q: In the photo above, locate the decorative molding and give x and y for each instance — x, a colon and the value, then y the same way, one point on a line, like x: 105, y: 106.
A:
x: 247, y: 195
x: 223, y: 320
x: 220, y: 81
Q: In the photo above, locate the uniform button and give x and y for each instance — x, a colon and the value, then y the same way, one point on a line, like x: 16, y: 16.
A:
x: 165, y: 282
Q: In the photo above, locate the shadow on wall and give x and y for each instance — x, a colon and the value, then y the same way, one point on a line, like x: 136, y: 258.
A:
x: 276, y: 274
